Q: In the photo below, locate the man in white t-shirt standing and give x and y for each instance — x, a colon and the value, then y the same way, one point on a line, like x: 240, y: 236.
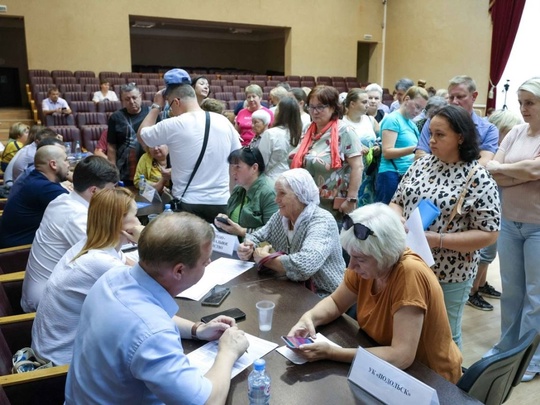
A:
x: 208, y: 192
x: 63, y: 225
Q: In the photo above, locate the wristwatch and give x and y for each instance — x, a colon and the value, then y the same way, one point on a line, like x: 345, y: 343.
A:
x: 155, y: 105
x: 352, y: 199
x: 194, y: 330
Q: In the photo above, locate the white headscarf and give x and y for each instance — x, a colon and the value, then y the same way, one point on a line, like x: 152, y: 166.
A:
x: 307, y: 192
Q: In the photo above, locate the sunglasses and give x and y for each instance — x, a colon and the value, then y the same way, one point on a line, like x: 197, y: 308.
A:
x: 361, y: 231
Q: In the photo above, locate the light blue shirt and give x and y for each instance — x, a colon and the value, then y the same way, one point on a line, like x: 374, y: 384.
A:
x: 128, y: 349
x: 407, y: 135
x: 489, y: 135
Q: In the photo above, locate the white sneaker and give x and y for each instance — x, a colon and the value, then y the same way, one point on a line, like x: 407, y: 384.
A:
x: 528, y: 376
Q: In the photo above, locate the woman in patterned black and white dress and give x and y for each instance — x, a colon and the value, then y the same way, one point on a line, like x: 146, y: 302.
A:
x: 454, y: 181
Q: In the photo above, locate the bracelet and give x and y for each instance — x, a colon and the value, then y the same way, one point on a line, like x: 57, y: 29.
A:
x: 194, y: 330
x: 440, y: 240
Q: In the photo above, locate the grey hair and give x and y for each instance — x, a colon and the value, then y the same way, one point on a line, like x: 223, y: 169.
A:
x: 388, y: 243
x: 462, y: 79
x: 505, y: 120
x: 433, y: 104
x: 255, y: 89
x: 375, y: 87
x: 128, y: 88
x: 532, y: 86
x: 404, y: 84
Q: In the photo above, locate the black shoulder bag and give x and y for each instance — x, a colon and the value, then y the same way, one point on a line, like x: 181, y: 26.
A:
x: 176, y: 202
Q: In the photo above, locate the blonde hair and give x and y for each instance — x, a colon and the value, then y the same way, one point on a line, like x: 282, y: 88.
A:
x: 107, y: 209
x: 17, y: 130
x: 415, y: 91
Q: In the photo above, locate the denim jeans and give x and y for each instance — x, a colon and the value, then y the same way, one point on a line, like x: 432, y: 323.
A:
x: 385, y: 186
x: 519, y: 255
x: 488, y: 254
x: 455, y: 297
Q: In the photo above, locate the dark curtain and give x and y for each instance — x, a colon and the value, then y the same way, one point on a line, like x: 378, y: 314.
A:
x: 505, y: 16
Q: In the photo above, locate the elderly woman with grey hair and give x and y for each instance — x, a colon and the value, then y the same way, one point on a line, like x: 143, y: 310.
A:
x: 399, y: 300
x: 303, y: 236
x: 243, y: 123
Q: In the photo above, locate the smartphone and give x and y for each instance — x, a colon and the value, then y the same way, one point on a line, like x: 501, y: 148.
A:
x: 223, y: 220
x: 216, y: 296
x: 293, y: 342
x: 235, y: 313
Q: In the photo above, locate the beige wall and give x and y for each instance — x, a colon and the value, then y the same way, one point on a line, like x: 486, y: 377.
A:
x: 437, y: 40
x: 432, y: 40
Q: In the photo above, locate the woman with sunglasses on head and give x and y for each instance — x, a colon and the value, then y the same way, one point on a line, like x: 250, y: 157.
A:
x: 252, y: 201
x: 331, y: 152
x: 303, y: 236
x: 400, y: 304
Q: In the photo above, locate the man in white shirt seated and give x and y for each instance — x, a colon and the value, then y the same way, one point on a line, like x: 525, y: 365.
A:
x: 128, y: 347
x: 63, y: 225
x: 54, y: 103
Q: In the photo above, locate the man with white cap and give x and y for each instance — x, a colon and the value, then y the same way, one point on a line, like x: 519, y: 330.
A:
x: 203, y: 190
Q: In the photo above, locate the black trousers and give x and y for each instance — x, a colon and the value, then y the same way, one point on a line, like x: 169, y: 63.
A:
x: 206, y: 212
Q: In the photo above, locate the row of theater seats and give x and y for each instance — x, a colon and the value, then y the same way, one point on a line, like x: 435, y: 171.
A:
x: 33, y: 387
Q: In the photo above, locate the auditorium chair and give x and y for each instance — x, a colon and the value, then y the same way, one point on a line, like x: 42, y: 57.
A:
x: 241, y: 83
x: 225, y: 96
x: 76, y: 96
x: 108, y: 75
x: 130, y: 75
x: 278, y: 78
x: 90, y: 135
x: 38, y: 387
x: 79, y: 74
x: 53, y: 120
x: 352, y: 85
x: 260, y: 77
x: 219, y: 82
x: 109, y: 106
x: 40, y: 88
x: 61, y: 73
x: 83, y: 81
x: 65, y: 80
x: 231, y: 89
x: 293, y: 78
x: 159, y: 83
x: 151, y: 76
x: 245, y: 77
x: 324, y: 80
x: 307, y: 83
x: 272, y: 83
x: 83, y: 107
x: 41, y: 80
x: 307, y: 78
x: 115, y: 81
x: 260, y: 83
x: 69, y: 133
x: 69, y: 87
x: 294, y: 83
x: 146, y: 87
x: 139, y: 81
x: 226, y: 79
x: 11, y: 293
x: 38, y: 73
x: 215, y: 89
x: 91, y: 118
x: 149, y: 95
x: 91, y: 88
x: 14, y: 258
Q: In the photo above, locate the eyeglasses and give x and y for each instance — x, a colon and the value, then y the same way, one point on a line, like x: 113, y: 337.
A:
x: 318, y: 108
x: 361, y: 231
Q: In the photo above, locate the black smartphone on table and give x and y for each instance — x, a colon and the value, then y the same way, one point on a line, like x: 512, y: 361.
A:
x: 216, y: 296
x: 223, y: 220
x: 235, y: 313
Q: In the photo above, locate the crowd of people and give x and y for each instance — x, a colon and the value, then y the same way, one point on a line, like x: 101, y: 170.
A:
x: 316, y: 187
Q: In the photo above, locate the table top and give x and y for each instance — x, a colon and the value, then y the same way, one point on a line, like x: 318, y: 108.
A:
x: 320, y: 382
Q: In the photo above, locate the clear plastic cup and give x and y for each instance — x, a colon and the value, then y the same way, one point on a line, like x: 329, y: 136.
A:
x: 266, y: 313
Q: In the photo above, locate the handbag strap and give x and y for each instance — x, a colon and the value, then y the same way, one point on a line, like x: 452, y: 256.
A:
x: 201, y: 155
x: 461, y: 198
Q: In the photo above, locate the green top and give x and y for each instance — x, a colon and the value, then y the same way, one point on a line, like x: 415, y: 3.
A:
x: 254, y: 207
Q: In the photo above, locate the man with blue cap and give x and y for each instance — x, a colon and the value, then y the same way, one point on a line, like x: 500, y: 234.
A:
x: 207, y: 193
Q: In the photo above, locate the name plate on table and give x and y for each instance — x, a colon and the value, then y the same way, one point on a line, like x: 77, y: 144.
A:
x: 388, y: 383
x: 224, y: 242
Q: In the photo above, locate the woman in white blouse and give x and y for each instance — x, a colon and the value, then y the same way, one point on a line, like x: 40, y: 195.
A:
x: 284, y: 136
x: 104, y: 94
x: 112, y: 222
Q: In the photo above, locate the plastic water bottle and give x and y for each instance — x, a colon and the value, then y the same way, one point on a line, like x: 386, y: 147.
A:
x: 259, y: 384
x: 167, y: 208
x: 78, y: 152
x: 142, y: 184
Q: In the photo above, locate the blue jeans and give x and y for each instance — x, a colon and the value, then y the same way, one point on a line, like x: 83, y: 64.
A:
x: 488, y: 254
x: 385, y: 186
x: 455, y: 297
x: 519, y: 254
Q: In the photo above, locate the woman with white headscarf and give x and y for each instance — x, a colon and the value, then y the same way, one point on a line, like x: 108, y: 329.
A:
x: 303, y: 236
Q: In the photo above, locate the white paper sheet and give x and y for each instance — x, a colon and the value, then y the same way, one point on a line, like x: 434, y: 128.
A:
x: 416, y: 238
x: 297, y: 358
x: 217, y: 272
x: 203, y: 358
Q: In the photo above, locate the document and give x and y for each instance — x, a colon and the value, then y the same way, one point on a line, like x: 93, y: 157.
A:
x: 217, y: 272
x: 416, y: 238
x: 203, y: 358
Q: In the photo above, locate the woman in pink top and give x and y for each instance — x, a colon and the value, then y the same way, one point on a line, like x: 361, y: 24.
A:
x: 243, y: 119
x: 516, y: 168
